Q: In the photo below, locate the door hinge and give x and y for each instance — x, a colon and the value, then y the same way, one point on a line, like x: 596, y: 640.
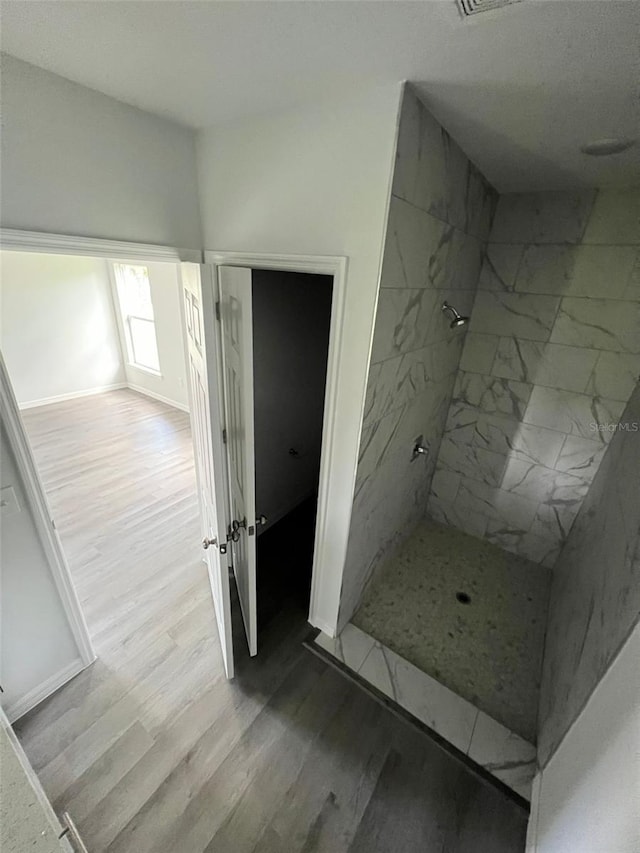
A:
x: 217, y: 310
x: 224, y: 436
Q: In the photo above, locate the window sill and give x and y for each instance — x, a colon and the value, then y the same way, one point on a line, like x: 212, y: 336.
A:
x: 142, y: 369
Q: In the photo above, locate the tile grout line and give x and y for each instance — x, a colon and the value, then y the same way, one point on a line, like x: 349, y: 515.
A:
x: 366, y: 657
x: 473, y: 731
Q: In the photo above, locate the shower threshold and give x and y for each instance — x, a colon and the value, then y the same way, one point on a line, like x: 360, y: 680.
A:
x: 452, y: 629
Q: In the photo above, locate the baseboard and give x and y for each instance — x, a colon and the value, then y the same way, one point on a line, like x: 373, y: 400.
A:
x: 74, y: 395
x: 44, y: 690
x: 155, y: 396
x: 101, y: 389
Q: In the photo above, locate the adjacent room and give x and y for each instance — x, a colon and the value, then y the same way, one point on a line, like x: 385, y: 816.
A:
x: 94, y: 352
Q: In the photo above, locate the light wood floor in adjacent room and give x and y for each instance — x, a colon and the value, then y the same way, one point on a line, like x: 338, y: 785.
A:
x: 151, y: 749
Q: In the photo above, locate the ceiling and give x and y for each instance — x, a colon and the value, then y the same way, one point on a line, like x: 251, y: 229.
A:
x: 521, y: 88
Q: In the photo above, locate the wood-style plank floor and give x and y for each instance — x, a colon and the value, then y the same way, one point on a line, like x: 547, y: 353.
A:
x: 151, y: 749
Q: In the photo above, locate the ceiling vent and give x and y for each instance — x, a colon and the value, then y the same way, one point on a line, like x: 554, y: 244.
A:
x: 475, y: 7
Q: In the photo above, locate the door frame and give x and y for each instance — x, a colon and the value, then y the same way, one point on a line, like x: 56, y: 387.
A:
x: 16, y: 240
x: 326, y: 579
x: 48, y: 535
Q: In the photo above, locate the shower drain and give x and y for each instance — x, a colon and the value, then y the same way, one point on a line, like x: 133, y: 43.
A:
x: 463, y: 598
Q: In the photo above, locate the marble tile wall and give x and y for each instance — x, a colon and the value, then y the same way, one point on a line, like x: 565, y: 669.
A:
x: 595, y: 595
x: 439, y: 218
x: 553, y: 348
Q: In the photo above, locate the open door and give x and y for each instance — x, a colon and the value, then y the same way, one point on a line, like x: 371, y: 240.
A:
x: 237, y: 355
x: 206, y: 425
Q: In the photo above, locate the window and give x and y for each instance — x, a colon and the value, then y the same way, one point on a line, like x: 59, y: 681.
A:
x: 134, y: 296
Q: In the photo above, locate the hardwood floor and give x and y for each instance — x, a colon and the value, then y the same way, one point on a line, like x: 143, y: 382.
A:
x: 151, y: 749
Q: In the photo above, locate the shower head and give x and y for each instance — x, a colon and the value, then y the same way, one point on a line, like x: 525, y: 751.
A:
x: 456, y: 319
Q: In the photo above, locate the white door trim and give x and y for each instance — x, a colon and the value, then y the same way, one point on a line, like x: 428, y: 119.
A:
x: 327, y: 572
x: 36, y: 498
x: 15, y: 240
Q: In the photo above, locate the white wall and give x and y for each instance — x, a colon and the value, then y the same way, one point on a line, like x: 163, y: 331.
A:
x: 77, y: 162
x: 36, y: 642
x: 587, y: 799
x: 291, y: 318
x: 166, y: 295
x: 313, y: 181
x: 61, y: 330
x: 58, y: 329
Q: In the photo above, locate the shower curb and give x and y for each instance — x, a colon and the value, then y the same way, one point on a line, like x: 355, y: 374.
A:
x: 397, y: 710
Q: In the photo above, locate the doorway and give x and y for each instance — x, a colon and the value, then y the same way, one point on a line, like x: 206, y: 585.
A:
x: 291, y: 324
x: 94, y: 352
x: 278, y: 333
x: 227, y: 281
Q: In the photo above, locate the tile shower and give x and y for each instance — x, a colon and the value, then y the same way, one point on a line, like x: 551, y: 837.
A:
x: 552, y: 350
x: 456, y: 559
